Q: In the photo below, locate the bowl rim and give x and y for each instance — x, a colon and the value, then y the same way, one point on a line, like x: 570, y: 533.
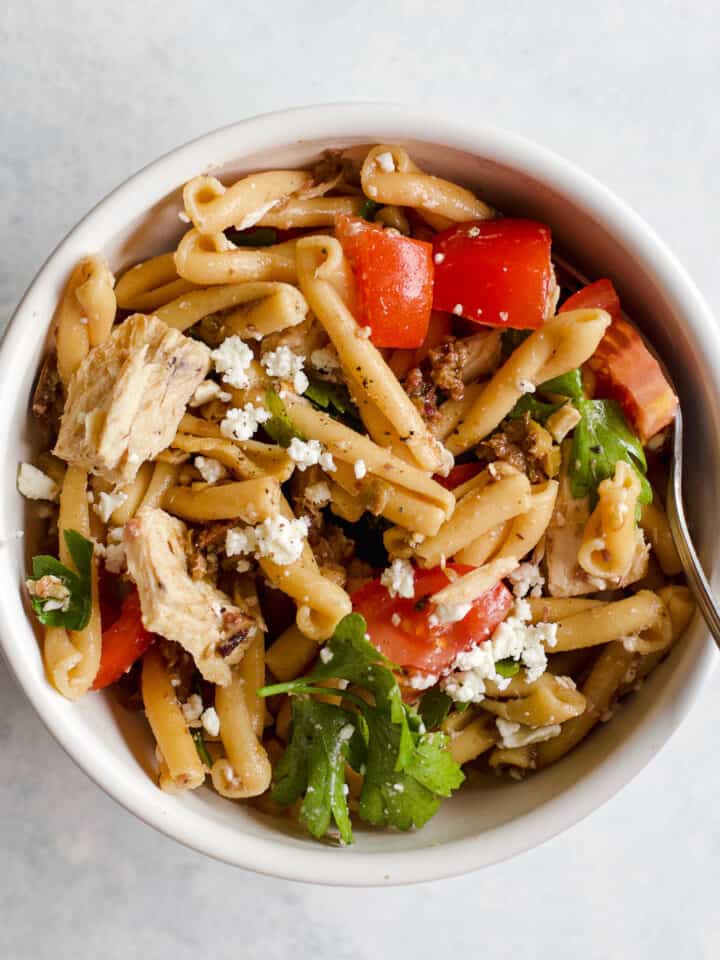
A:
x: 274, y: 855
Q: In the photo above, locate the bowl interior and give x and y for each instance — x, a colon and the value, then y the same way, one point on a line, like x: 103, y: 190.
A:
x: 489, y: 819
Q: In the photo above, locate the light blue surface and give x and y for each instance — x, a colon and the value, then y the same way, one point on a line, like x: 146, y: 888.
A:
x: 90, y: 95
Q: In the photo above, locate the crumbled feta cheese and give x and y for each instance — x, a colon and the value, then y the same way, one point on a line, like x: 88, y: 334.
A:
x: 182, y: 216
x: 527, y: 579
x: 211, y: 721
x: 364, y: 332
x: 286, y: 365
x: 458, y: 309
x: 439, y: 257
x: 326, y: 654
x: 281, y: 540
x: 36, y: 485
x: 359, y: 469
x: 208, y: 390
x: 318, y: 494
x: 385, y: 161
x: 504, y: 316
x: 241, y: 423
x: 308, y: 453
x: 346, y: 732
x: 238, y: 542
x: 242, y: 566
x: 517, y: 735
x: 514, y: 638
x: 451, y: 612
x: 525, y: 386
x: 399, y: 578
x: 474, y: 232
x: 107, y: 504
x: 325, y: 360
x: 422, y: 681
x: 210, y: 470
x: 192, y: 708
x: 232, y: 359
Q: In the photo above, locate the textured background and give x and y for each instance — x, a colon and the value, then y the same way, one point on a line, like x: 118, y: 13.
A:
x: 89, y: 94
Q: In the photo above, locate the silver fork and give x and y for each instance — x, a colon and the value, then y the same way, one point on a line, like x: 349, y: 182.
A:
x: 697, y: 581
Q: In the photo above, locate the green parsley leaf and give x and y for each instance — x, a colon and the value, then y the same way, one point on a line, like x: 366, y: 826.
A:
x: 567, y: 385
x: 507, y: 667
x: 368, y: 210
x: 335, y: 399
x: 510, y: 340
x: 313, y: 766
x: 537, y: 409
x: 601, y: 439
x: 202, y: 750
x: 255, y: 237
x: 79, y: 607
x: 279, y: 427
x: 406, y: 770
x: 434, y: 707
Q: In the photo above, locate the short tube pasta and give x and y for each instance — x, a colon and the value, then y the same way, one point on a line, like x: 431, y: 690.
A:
x: 561, y: 344
x: 405, y: 185
x: 150, y: 284
x: 180, y: 767
x: 319, y: 257
x: 265, y: 308
x: 247, y: 500
x: 610, y: 621
x: 213, y: 207
x: 610, y: 537
x: 211, y: 258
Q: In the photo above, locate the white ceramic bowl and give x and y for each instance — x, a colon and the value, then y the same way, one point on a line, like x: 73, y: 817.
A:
x: 601, y: 234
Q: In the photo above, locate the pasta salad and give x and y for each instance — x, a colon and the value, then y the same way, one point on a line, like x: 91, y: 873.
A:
x: 355, y: 494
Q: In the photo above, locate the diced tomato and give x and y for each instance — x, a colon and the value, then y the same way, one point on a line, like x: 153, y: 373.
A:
x: 496, y: 272
x: 394, y: 281
x: 122, y: 643
x: 601, y: 295
x: 459, y: 474
x: 417, y: 643
x: 623, y: 366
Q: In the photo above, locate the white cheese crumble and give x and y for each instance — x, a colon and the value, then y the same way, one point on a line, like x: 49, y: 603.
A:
x: 309, y: 453
x: 279, y: 539
x: 114, y: 551
x: 399, y: 578
x: 514, y: 638
x: 210, y: 470
x: 232, y: 359
x: 527, y: 579
x: 364, y: 332
x: 286, y: 365
x: 360, y: 469
x: 504, y: 316
x: 318, y: 494
x: 241, y: 423
x: 211, y: 721
x: 422, y: 681
x: 525, y: 386
x: 36, y: 485
x: 458, y: 309
x: 326, y: 654
x: 325, y: 360
x: 206, y: 391
x: 385, y: 161
x: 517, y: 735
x: 439, y: 257
x: 107, y: 504
x: 451, y: 612
x: 192, y: 708
x: 474, y: 232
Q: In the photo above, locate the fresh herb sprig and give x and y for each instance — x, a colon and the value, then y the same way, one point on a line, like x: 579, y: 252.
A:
x: 407, y: 771
x: 75, y: 613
